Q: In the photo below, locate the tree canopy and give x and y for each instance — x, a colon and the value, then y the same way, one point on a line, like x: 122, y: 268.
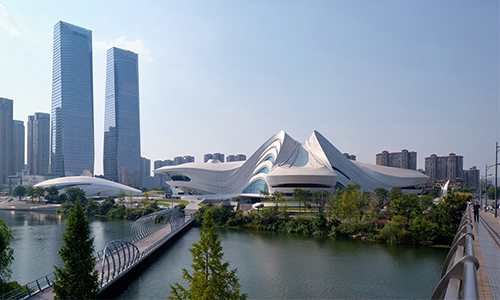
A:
x: 210, y: 278
x: 19, y: 191
x: 78, y: 279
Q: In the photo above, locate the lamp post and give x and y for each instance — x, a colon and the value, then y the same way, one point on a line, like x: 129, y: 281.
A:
x: 486, y: 168
x: 485, y: 178
x: 496, y: 178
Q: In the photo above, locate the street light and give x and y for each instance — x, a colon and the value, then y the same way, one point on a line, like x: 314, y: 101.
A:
x: 496, y: 178
x: 485, y: 178
x: 486, y: 168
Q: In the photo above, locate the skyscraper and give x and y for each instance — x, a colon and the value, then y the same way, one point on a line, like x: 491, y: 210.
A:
x: 38, y: 144
x: 122, y: 140
x: 6, y: 106
x: 72, y: 119
x: 17, y: 146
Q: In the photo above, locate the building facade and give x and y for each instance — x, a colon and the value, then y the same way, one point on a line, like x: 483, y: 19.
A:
x: 187, y: 159
x: 72, y: 118
x: 38, y: 144
x: 403, y: 160
x: 122, y: 140
x: 471, y: 176
x: 17, y: 147
x: 444, y: 167
x: 6, y: 122
x: 283, y: 164
x: 237, y: 157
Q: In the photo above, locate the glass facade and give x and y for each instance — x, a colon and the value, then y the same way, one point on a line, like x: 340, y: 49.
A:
x: 72, y: 119
x: 38, y: 144
x: 122, y: 140
x: 264, y: 170
x: 256, y: 186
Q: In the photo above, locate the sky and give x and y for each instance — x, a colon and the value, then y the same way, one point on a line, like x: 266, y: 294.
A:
x: 224, y: 76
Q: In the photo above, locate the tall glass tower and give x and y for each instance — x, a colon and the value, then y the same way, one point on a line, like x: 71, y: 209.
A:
x: 122, y: 138
x: 72, y: 118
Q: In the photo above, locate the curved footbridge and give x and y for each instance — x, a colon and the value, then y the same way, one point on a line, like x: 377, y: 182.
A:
x: 148, y: 234
x: 472, y: 268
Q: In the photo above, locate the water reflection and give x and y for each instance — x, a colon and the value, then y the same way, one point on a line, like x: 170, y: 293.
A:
x: 37, y: 237
x: 285, y: 266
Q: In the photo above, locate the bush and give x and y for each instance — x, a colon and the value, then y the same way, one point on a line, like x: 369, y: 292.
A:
x: 395, y: 231
x: 353, y: 228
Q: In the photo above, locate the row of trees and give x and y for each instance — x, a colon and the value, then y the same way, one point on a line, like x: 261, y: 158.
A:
x: 51, y: 193
x: 386, y: 216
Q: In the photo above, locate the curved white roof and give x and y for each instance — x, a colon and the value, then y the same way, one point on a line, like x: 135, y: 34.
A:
x: 93, y: 187
x: 283, y: 163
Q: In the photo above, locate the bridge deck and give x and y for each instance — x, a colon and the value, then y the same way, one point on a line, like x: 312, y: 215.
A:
x: 487, y: 250
x: 142, y: 244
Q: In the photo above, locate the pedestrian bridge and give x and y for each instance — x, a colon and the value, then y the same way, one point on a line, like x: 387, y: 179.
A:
x: 148, y: 234
x: 472, y: 268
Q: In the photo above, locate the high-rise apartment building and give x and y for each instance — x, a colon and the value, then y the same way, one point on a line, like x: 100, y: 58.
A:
x: 122, y: 140
x: 403, y: 160
x: 187, y: 159
x: 17, y: 147
x: 38, y: 144
x: 145, y: 173
x: 471, y: 176
x: 6, y: 122
x: 72, y: 119
x: 237, y: 157
x: 444, y: 167
x: 207, y: 157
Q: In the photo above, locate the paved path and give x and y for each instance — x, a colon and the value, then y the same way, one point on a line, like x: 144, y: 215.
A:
x: 487, y: 250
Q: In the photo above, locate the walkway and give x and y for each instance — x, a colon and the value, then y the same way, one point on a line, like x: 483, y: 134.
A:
x: 146, y: 245
x: 487, y: 250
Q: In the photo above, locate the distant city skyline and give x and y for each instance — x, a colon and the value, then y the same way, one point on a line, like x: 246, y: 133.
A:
x: 225, y: 75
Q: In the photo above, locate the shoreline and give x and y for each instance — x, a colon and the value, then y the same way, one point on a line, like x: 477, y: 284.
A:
x: 16, y: 205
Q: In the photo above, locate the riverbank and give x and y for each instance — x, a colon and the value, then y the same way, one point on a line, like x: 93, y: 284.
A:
x: 5, y: 204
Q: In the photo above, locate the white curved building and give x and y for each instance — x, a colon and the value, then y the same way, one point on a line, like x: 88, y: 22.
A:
x: 93, y: 187
x: 284, y: 164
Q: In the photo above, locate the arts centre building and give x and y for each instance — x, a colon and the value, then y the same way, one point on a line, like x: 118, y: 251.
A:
x: 283, y: 164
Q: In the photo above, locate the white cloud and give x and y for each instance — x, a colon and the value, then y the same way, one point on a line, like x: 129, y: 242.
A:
x: 6, y: 24
x: 136, y: 46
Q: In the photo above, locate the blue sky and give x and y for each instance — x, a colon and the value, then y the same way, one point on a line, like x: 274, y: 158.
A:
x: 223, y: 76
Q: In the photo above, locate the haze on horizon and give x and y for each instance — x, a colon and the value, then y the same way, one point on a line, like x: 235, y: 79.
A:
x: 224, y: 76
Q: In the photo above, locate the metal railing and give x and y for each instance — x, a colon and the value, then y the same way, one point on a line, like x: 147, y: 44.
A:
x: 31, y: 288
x: 459, y: 275
x: 175, y: 220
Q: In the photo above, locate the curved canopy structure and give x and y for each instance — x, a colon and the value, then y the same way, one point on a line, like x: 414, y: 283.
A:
x: 93, y: 187
x: 283, y: 164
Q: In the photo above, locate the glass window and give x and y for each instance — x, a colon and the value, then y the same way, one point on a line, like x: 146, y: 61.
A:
x: 256, y: 187
x: 264, y: 170
x: 270, y: 158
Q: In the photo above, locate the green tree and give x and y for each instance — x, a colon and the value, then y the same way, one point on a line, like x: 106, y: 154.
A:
x: 73, y: 193
x: 39, y: 191
x: 6, y: 257
x: 20, y: 191
x: 52, y: 193
x: 121, y: 197
x: 381, y: 194
x: 301, y: 196
x: 30, y: 192
x: 490, y: 193
x: 320, y: 197
x: 210, y: 278
x: 78, y: 279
